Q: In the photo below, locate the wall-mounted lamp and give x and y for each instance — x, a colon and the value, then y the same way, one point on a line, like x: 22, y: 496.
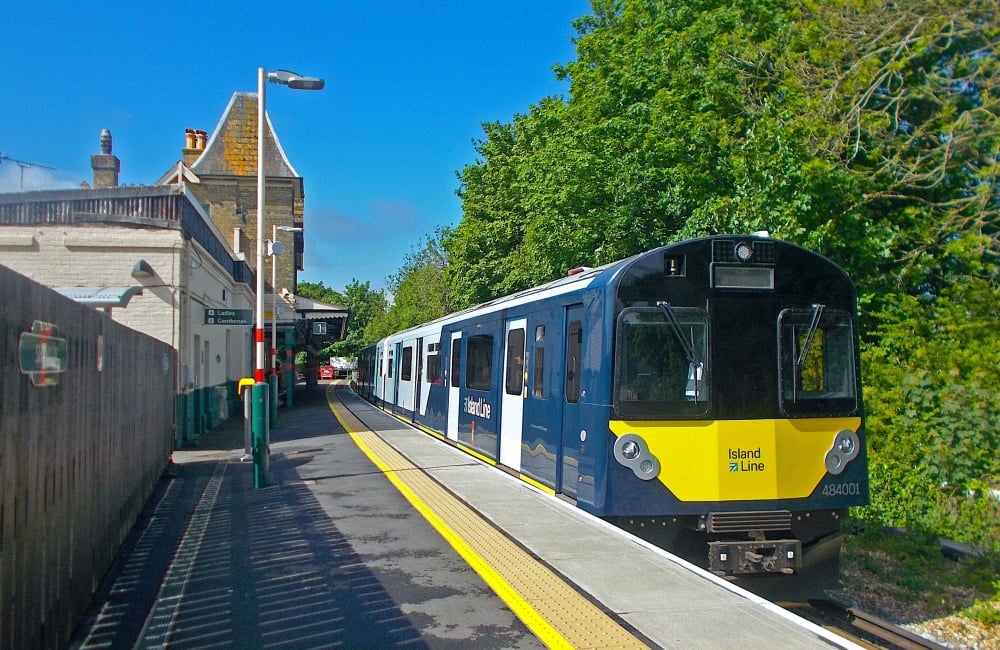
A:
x: 142, y: 270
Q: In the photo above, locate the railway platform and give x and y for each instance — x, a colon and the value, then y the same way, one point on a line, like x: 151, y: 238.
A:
x: 372, y: 534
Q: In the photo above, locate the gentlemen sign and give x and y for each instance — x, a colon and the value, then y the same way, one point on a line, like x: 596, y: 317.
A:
x: 228, y: 316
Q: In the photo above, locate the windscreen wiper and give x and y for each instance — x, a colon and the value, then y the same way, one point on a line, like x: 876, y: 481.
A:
x: 692, y: 390
x: 687, y: 346
x: 817, y: 313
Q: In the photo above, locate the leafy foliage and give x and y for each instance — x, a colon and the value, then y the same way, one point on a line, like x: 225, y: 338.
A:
x: 364, y: 303
x: 909, y: 96
x: 319, y: 291
x: 933, y: 407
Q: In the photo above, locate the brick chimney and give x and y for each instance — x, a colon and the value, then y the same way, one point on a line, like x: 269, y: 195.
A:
x: 105, y: 165
x: 194, y: 145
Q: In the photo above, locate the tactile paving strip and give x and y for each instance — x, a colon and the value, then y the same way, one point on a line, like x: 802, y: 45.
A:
x: 552, y: 609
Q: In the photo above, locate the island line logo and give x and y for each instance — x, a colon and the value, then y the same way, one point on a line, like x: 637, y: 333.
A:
x: 477, y: 406
x: 745, y: 460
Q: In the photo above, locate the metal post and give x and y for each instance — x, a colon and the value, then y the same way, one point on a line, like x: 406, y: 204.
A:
x: 260, y: 388
x: 261, y: 401
x: 261, y: 463
x: 247, y: 422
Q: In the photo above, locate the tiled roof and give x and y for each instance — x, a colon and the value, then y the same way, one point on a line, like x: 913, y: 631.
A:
x: 232, y: 150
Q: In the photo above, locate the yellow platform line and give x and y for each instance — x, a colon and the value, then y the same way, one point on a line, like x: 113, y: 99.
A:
x: 553, y: 610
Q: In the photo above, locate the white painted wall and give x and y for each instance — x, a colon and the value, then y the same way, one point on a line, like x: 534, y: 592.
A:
x: 171, y: 308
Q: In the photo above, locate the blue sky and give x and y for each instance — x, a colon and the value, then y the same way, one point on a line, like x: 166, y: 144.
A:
x: 408, y: 85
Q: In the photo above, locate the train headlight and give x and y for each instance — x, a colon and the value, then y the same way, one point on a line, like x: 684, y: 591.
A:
x: 845, y: 449
x: 630, y: 451
x: 845, y: 445
x: 743, y: 251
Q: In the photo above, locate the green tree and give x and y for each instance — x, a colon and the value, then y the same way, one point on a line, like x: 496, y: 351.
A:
x: 931, y: 391
x: 908, y: 97
x: 363, y: 303
x: 677, y: 125
x: 366, y: 305
x: 482, y: 249
x: 319, y: 291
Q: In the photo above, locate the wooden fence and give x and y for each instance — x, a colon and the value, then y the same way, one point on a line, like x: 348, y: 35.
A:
x: 86, y: 429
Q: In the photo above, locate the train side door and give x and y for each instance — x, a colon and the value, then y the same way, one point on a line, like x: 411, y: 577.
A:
x: 574, y: 431
x: 454, y: 385
x: 378, y: 375
x: 418, y: 379
x: 513, y: 395
x: 405, y: 386
x: 392, y: 383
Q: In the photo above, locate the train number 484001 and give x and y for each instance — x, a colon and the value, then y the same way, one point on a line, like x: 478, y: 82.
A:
x: 841, y: 489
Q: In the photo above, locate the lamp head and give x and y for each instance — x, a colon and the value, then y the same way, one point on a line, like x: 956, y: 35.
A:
x: 295, y: 81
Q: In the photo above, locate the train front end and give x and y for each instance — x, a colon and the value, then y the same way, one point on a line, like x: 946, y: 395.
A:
x: 736, y: 413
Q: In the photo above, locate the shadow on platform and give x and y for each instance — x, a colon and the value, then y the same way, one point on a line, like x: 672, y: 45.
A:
x: 214, y: 562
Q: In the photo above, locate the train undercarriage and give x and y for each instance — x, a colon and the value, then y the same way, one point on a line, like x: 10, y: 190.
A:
x: 785, y: 556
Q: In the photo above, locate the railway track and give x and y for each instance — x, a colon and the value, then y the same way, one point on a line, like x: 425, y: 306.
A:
x: 864, y: 629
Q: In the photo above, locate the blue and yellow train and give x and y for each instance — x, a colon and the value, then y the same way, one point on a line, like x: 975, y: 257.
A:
x: 708, y: 390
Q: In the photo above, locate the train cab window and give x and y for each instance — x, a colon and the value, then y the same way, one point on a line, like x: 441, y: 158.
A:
x: 479, y: 362
x: 574, y: 348
x: 661, y: 362
x: 406, y: 370
x: 456, y: 363
x: 514, y: 378
x: 817, y: 367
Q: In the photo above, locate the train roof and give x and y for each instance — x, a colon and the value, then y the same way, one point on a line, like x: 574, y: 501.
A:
x: 587, y: 277
x: 579, y: 278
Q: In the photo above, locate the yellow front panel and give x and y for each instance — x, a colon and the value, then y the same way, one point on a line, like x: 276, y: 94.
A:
x: 739, y: 460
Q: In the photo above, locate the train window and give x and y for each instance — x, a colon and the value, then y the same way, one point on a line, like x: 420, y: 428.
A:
x: 538, y: 372
x: 433, y: 368
x: 514, y: 380
x: 574, y: 347
x: 406, y: 371
x: 456, y: 362
x: 479, y: 364
x: 817, y: 367
x: 390, y: 364
x: 661, y: 363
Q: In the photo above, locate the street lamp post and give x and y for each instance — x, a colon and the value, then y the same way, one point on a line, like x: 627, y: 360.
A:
x: 275, y: 248
x: 259, y: 392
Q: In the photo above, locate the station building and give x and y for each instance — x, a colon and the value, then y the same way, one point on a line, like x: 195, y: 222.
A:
x: 175, y: 260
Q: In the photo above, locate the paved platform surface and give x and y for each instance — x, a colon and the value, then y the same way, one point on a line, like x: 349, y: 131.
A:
x: 334, y: 555
x: 338, y: 559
